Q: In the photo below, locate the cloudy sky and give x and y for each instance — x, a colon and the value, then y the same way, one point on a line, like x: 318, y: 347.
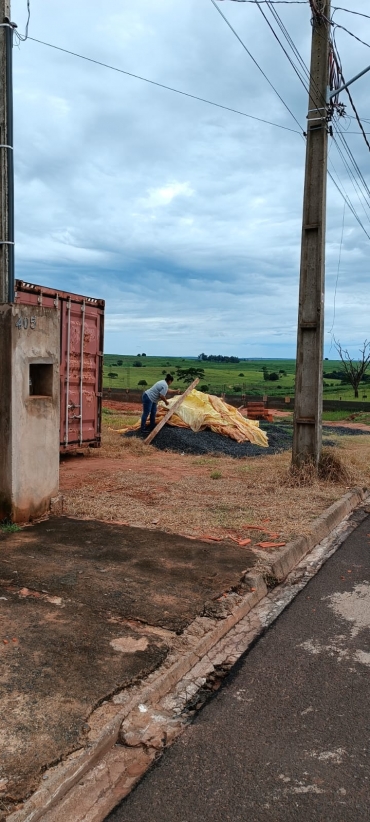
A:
x: 184, y: 217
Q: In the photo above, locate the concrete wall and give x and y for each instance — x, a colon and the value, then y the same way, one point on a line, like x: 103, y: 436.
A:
x: 29, y: 421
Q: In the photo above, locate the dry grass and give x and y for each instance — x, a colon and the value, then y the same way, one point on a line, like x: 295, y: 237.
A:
x: 331, y: 469
x: 154, y: 489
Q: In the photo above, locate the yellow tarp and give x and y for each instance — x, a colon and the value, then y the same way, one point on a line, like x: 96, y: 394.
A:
x: 199, y: 411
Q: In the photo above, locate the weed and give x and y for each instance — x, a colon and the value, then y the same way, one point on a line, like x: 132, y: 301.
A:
x: 216, y: 475
x: 9, y: 527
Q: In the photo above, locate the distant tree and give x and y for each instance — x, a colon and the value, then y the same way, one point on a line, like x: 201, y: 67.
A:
x: 241, y: 374
x: 187, y: 375
x: 119, y: 362
x: 237, y: 388
x: 142, y: 382
x: 112, y: 375
x: 137, y: 364
x: 273, y: 376
x: 143, y: 355
x: 217, y: 358
x: 354, y: 369
x: 265, y: 373
x: 204, y: 388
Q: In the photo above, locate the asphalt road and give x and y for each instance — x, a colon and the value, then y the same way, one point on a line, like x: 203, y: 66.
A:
x: 287, y: 737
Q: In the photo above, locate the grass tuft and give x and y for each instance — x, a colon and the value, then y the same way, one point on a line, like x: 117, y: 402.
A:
x: 331, y: 469
x: 9, y: 527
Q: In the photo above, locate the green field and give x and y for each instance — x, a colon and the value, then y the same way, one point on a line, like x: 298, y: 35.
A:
x: 244, y: 377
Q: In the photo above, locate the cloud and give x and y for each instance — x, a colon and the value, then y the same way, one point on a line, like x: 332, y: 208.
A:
x: 185, y: 218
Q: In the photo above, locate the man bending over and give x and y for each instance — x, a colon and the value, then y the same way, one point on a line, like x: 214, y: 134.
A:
x: 150, y: 399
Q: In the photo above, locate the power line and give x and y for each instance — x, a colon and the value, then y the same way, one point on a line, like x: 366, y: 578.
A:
x: 338, y: 26
x: 275, y: 2
x: 280, y: 43
x: 255, y: 62
x: 346, y: 198
x: 23, y: 37
x: 355, y: 166
x: 338, y: 269
x: 350, y: 11
x: 357, y: 117
x: 162, y: 85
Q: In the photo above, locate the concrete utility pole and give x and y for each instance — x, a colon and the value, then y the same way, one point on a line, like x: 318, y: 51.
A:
x: 310, y: 339
x: 6, y: 157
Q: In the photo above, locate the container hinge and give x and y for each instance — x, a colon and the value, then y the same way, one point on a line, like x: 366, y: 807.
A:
x: 99, y: 393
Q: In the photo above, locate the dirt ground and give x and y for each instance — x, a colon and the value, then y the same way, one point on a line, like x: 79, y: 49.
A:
x: 211, y: 496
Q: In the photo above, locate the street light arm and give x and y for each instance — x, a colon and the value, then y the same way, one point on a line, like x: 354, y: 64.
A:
x: 345, y: 85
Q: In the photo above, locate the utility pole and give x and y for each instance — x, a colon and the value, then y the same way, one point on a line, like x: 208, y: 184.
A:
x: 310, y: 337
x: 6, y: 157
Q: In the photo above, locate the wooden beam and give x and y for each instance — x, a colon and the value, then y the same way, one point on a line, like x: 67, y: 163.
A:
x: 171, y: 411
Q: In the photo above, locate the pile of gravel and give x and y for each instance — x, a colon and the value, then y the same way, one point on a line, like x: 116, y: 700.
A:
x: 345, y: 432
x: 185, y: 441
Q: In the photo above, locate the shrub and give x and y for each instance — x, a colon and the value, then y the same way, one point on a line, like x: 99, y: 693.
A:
x: 142, y: 382
x: 112, y: 375
x: 241, y: 374
x: 237, y: 388
x: 204, y: 388
x: 137, y: 364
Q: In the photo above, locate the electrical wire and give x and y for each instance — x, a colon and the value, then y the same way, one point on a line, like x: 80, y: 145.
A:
x: 338, y: 185
x: 338, y: 26
x: 355, y: 183
x: 23, y: 37
x: 350, y: 11
x: 281, y: 45
x: 338, y: 269
x: 255, y: 62
x: 352, y: 159
x: 345, y: 197
x: 357, y: 117
x: 162, y: 85
x: 307, y: 80
x: 275, y: 2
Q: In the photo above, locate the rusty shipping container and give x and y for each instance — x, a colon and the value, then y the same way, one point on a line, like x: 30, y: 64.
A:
x: 81, y: 361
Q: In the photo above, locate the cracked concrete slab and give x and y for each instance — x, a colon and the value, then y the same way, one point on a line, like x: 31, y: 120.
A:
x: 75, y: 597
x: 87, y: 783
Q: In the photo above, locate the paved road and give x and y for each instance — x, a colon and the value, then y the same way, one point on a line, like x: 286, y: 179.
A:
x: 287, y: 738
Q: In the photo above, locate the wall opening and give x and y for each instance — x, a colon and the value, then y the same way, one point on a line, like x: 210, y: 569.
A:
x: 41, y: 380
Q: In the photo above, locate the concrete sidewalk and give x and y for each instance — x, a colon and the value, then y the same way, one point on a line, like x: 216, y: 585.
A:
x: 96, y: 618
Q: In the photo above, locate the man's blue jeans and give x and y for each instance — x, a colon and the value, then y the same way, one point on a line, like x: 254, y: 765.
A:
x: 149, y: 407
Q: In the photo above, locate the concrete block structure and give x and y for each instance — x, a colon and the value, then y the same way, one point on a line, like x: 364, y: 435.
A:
x: 29, y: 410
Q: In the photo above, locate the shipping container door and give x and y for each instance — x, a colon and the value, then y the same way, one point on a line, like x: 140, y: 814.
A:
x: 80, y: 372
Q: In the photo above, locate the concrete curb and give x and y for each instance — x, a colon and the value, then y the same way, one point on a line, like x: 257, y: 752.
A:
x: 321, y: 527
x: 67, y: 776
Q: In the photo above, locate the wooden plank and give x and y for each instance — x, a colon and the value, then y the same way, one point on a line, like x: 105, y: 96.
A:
x: 171, y: 411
